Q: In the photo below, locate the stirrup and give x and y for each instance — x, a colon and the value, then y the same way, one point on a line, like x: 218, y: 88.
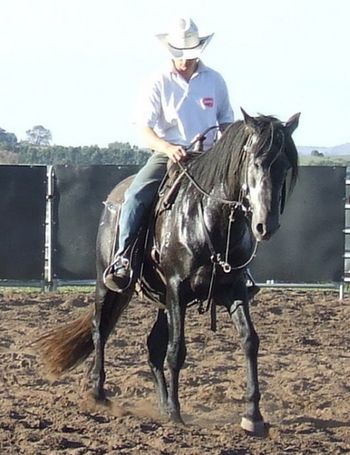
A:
x: 110, y: 277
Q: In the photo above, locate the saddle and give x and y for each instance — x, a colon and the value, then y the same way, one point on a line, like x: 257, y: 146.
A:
x: 149, y: 281
x: 150, y: 284
x: 147, y: 276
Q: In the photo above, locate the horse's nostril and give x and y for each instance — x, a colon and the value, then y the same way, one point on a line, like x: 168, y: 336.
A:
x: 260, y: 228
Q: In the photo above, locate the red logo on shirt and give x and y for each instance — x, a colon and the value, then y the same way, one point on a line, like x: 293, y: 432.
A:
x: 208, y: 102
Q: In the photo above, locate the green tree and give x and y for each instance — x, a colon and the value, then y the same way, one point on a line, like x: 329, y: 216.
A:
x: 8, y: 141
x: 39, y: 135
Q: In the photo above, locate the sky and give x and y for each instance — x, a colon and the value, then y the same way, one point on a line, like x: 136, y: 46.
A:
x: 75, y: 66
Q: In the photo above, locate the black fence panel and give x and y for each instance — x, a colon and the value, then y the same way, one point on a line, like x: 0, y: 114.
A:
x: 309, y: 246
x: 22, y: 225
x: 78, y: 195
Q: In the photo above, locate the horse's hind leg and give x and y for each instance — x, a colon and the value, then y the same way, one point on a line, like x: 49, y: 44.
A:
x: 157, y: 343
x: 97, y: 371
x: 239, y: 311
x: 108, y: 308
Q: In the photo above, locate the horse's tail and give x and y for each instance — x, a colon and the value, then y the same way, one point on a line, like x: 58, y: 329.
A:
x: 64, y: 348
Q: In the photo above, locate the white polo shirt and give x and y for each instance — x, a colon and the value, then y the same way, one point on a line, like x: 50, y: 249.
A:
x: 178, y: 110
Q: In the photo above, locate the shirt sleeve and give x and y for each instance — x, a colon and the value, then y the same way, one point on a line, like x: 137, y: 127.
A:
x: 224, y: 110
x: 148, y: 104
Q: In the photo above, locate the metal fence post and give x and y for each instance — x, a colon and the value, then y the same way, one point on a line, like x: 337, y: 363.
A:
x: 49, y: 227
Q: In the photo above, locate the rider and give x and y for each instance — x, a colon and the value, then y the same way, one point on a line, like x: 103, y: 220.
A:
x: 181, y: 102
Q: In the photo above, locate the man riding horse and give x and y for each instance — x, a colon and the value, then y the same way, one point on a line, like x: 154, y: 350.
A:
x: 230, y: 197
x: 183, y: 100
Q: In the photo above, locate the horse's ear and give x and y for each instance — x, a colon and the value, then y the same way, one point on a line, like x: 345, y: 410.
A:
x: 292, y: 123
x: 248, y: 120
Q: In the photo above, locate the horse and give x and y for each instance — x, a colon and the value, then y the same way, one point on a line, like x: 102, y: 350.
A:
x: 197, y: 249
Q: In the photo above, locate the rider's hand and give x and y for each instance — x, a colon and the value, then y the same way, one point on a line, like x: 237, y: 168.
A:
x: 175, y: 152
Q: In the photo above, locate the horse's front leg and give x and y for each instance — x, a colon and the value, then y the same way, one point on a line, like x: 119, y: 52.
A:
x: 176, y: 352
x: 157, y: 343
x: 252, y: 421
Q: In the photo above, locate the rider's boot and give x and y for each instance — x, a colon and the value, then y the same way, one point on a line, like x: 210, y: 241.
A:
x: 118, y: 276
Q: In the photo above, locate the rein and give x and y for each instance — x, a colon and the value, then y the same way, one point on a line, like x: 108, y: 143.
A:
x: 234, y: 206
x: 200, y: 139
x: 243, y: 192
x: 241, y: 204
x: 217, y: 261
x: 208, y: 195
x: 215, y: 257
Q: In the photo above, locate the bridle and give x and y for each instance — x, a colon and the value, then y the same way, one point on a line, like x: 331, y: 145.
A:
x: 242, y: 204
x: 244, y: 187
x: 248, y: 149
x: 216, y: 258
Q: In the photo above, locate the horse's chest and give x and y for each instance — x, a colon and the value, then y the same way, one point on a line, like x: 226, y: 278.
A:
x: 207, y: 275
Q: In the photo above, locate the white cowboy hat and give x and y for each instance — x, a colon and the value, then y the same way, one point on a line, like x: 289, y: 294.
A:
x: 183, y: 41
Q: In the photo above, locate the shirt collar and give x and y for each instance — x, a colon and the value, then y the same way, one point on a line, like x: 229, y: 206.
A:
x: 200, y: 68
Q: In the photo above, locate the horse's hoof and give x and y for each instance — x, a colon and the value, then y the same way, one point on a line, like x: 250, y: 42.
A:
x: 98, y: 399
x: 254, y: 428
x: 176, y: 418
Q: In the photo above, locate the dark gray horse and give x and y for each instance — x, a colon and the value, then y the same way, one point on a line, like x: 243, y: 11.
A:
x: 197, y: 250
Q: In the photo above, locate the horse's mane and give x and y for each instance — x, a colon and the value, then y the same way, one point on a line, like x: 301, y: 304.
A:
x: 226, y: 158
x: 226, y: 155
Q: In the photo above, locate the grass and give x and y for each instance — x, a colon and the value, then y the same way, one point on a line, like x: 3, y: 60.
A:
x: 334, y: 160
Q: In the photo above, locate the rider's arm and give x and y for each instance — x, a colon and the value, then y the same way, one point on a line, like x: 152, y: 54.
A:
x: 154, y: 142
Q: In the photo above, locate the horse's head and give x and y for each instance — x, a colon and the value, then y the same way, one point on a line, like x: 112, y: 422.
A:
x: 270, y: 154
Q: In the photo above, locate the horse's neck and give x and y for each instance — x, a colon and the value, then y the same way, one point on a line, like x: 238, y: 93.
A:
x: 230, y: 189
x: 222, y: 179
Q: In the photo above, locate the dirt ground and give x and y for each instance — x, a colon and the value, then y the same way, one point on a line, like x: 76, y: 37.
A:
x: 304, y: 377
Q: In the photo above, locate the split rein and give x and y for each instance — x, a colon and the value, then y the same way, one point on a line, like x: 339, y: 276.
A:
x: 216, y: 258
x: 200, y: 139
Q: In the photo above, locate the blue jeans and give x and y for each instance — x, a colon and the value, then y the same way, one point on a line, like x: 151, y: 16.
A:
x: 139, y: 198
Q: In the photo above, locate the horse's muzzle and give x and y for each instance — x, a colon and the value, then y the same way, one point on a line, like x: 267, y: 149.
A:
x: 263, y: 231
